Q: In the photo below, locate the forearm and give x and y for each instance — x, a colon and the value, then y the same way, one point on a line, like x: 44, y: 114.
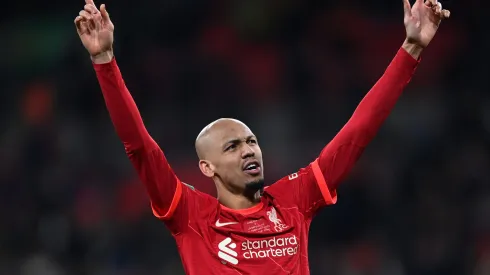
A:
x: 148, y: 159
x: 340, y: 155
x: 96, y: 32
x: 122, y: 109
x: 375, y: 107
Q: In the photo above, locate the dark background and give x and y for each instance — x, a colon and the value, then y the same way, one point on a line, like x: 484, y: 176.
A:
x: 418, y: 201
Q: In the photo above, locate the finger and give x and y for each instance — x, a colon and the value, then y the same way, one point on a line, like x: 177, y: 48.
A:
x: 91, y: 8
x: 85, y: 27
x: 432, y: 3
x: 446, y: 14
x: 104, y: 13
x: 437, y: 9
x: 90, y: 2
x: 90, y: 19
x: 407, y: 8
x: 81, y: 25
x: 77, y: 22
x: 85, y: 15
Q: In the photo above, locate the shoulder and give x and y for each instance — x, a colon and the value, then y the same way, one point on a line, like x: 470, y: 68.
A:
x: 282, y: 191
x: 289, y: 187
x: 193, y: 193
x: 284, y: 184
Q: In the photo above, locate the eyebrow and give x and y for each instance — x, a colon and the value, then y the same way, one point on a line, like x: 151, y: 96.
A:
x: 237, y: 140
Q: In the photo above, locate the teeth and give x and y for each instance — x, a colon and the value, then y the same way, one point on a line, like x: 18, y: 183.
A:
x: 251, y: 166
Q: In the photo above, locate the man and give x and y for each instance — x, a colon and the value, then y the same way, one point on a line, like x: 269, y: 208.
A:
x: 248, y: 229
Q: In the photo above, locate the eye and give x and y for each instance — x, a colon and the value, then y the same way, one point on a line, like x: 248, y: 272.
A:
x: 231, y: 147
x: 252, y: 141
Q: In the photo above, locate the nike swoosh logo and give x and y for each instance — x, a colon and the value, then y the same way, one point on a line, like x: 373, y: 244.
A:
x: 218, y: 224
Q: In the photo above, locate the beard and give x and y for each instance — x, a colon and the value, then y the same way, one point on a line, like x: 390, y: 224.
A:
x: 251, y: 188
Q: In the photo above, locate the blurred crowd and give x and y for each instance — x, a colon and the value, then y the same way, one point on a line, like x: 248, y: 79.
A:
x: 418, y: 201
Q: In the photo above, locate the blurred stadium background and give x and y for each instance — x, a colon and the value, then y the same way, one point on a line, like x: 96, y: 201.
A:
x: 418, y: 202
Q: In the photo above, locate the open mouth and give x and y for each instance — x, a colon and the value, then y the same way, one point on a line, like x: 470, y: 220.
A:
x: 252, y: 168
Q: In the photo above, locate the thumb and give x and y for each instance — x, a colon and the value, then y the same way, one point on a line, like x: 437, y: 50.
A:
x: 104, y: 13
x: 407, y: 8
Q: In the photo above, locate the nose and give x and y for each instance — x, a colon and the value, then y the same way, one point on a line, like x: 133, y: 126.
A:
x: 247, y: 151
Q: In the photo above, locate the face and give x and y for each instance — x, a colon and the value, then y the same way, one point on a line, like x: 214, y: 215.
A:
x: 233, y: 156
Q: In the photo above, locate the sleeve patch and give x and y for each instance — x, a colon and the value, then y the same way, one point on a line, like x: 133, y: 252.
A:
x: 293, y: 176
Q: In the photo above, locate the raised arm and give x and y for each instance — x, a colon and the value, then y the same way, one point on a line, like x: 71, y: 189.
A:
x: 338, y: 157
x: 96, y: 32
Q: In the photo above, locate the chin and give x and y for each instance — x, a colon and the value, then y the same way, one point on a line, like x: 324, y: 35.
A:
x: 255, y: 185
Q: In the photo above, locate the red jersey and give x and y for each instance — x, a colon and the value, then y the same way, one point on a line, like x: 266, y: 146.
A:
x: 271, y: 237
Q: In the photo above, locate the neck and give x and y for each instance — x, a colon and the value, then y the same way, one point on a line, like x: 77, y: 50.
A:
x: 237, y: 201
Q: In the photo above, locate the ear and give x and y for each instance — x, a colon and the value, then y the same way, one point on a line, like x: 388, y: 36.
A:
x: 206, y: 168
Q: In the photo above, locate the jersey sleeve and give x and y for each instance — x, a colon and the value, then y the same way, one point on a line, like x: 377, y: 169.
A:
x: 164, y: 189
x: 189, y: 206
x: 315, y: 186
x: 306, y: 189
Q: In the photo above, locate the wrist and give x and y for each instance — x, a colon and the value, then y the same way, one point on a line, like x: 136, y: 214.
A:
x: 103, y: 57
x: 413, y: 49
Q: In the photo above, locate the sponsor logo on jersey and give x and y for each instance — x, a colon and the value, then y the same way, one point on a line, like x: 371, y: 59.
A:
x: 272, y: 247
x: 266, y: 248
x: 226, y: 251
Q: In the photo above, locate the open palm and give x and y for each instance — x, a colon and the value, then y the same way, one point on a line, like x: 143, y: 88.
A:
x: 422, y: 20
x: 95, y: 28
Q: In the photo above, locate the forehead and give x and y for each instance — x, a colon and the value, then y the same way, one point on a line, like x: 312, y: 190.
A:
x: 228, y: 131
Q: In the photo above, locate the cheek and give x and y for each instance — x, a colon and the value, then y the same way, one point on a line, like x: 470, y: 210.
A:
x: 258, y: 152
x: 227, y: 166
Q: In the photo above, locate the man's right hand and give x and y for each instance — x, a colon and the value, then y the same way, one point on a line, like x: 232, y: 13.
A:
x: 96, y: 32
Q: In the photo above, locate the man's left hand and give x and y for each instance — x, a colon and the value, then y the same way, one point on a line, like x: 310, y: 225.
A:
x: 422, y: 21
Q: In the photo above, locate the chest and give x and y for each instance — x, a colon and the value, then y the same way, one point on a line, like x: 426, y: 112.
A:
x: 271, y: 236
